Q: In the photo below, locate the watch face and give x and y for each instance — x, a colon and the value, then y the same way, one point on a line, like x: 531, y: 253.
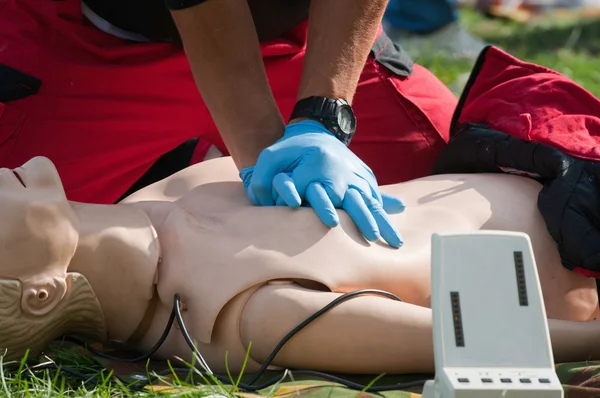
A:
x: 346, y: 120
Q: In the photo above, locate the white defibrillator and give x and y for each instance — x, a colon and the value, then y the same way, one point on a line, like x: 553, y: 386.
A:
x: 490, y: 330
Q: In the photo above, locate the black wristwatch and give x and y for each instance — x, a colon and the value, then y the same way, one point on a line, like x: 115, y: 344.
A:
x: 335, y: 114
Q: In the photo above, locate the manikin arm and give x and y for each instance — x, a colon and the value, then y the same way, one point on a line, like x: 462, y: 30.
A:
x: 367, y: 335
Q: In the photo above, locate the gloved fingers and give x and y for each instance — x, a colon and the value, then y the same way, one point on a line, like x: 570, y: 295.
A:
x: 336, y: 193
x: 252, y: 198
x: 318, y: 199
x: 261, y: 182
x: 387, y: 229
x: 370, y: 173
x: 392, y: 204
x: 370, y: 178
x: 358, y: 211
x: 279, y: 201
x: 246, y: 176
x: 366, y: 182
x: 285, y: 190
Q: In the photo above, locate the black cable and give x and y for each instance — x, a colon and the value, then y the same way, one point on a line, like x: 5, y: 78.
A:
x: 250, y: 385
x: 310, y: 319
x: 142, y: 357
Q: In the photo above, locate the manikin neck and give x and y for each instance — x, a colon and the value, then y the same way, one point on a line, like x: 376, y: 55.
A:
x: 118, y: 253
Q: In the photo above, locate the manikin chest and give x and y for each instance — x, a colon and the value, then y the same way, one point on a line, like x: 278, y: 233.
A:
x: 210, y: 258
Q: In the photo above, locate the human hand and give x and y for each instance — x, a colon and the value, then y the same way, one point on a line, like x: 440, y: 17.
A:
x: 309, y: 165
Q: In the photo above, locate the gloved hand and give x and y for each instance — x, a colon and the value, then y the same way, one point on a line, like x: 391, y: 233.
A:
x: 308, y: 164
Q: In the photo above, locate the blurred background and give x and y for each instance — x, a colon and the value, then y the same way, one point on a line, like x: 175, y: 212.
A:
x: 446, y: 36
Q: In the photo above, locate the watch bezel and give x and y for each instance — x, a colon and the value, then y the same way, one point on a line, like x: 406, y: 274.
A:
x: 348, y: 108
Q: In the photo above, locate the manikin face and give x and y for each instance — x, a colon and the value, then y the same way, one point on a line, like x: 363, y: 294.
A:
x: 38, y: 228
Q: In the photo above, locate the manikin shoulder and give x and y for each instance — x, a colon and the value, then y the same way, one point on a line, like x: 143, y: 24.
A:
x: 186, y: 182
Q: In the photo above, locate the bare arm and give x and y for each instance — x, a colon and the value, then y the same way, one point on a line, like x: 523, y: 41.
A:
x: 222, y: 47
x: 363, y: 335
x: 366, y: 335
x: 340, y: 37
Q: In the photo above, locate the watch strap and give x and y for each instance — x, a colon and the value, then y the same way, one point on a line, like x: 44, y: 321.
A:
x: 325, y: 110
x: 315, y: 108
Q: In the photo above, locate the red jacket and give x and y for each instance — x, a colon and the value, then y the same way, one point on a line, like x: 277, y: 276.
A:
x: 521, y: 118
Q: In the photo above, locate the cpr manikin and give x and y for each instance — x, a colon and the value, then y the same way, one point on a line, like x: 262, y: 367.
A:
x: 250, y: 274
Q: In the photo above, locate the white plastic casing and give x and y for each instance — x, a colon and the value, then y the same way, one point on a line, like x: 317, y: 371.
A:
x: 490, y: 330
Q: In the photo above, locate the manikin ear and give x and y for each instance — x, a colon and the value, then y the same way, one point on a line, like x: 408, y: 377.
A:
x: 42, y: 295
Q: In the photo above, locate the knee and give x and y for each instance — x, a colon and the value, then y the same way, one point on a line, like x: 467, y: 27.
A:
x: 404, y: 122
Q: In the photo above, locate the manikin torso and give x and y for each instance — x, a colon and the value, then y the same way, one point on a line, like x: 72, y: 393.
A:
x: 217, y: 249
x: 195, y: 234
x: 247, y: 275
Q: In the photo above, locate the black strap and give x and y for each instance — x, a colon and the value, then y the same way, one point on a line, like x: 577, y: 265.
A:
x: 152, y: 19
x: 149, y: 18
x: 15, y: 84
x: 315, y: 108
x: 392, y: 56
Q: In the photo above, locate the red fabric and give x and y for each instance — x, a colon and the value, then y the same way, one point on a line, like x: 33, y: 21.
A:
x: 108, y: 108
x: 587, y: 273
x: 200, y: 151
x: 534, y: 103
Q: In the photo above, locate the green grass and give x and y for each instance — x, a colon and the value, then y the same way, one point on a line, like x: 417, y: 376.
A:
x: 29, y: 382
x: 55, y: 376
x: 566, y: 45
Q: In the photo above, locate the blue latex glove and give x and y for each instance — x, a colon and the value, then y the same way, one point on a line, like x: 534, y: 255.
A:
x: 308, y: 164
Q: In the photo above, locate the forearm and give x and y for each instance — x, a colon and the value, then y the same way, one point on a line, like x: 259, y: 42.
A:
x: 339, y: 40
x: 223, y: 50
x: 364, y: 335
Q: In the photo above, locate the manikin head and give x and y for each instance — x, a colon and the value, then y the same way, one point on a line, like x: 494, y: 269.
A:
x: 39, y: 299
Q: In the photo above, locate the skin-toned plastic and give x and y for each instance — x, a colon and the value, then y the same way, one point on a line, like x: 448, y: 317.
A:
x: 250, y: 274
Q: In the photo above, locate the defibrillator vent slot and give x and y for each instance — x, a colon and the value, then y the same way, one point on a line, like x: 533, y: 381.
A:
x: 457, y: 317
x: 521, y: 284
